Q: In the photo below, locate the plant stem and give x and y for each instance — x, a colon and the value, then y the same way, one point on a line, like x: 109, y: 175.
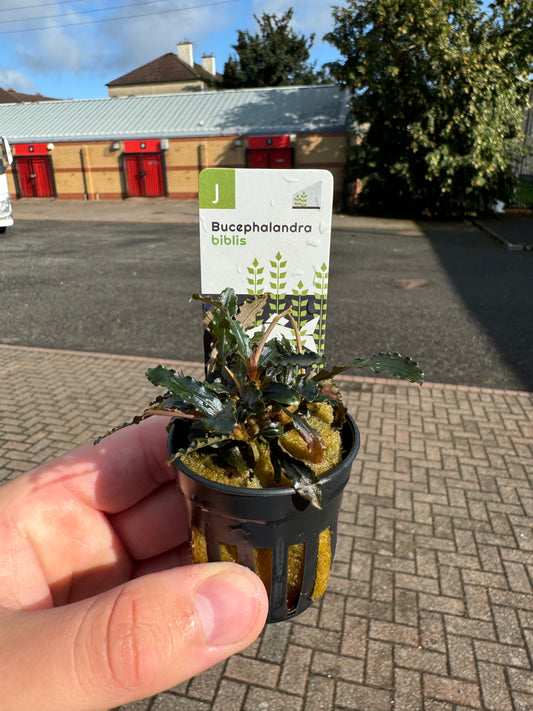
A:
x: 171, y: 413
x: 254, y: 358
x: 296, y: 333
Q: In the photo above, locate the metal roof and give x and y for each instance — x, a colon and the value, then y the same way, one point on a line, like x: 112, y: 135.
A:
x: 322, y: 108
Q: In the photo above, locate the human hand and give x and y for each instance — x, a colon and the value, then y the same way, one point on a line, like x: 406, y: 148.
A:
x: 98, y: 606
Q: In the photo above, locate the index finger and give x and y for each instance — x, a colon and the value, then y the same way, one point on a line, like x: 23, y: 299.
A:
x: 119, y: 471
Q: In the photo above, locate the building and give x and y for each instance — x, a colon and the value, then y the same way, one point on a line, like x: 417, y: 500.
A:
x: 156, y: 145
x: 10, y: 96
x: 167, y: 74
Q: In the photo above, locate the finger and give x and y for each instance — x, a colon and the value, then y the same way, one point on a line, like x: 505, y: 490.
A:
x: 171, y: 559
x: 129, y: 643
x: 154, y: 525
x: 116, y: 473
x: 52, y: 516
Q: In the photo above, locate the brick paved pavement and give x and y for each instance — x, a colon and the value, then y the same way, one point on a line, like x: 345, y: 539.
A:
x: 430, y: 604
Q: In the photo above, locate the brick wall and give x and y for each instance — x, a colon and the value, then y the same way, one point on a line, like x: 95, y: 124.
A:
x: 93, y: 170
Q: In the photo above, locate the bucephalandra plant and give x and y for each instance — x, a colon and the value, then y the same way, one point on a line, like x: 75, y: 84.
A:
x: 264, y: 410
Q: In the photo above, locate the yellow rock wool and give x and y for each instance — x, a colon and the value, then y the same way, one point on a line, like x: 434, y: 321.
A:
x: 263, y: 563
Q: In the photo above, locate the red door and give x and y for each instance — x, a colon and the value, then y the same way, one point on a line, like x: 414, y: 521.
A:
x: 258, y: 158
x: 281, y: 158
x: 144, y: 174
x: 270, y: 158
x: 34, y: 176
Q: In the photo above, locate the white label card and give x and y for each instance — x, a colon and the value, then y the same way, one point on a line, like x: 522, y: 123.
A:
x: 269, y: 231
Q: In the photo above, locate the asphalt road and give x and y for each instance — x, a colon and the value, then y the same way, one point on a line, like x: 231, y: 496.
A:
x: 445, y: 294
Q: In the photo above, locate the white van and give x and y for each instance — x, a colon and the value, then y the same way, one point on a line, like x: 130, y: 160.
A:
x: 6, y: 209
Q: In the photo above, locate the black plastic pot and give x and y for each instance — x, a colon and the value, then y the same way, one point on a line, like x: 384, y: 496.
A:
x: 274, y: 519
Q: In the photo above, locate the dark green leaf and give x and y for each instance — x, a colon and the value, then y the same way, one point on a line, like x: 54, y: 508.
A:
x: 239, y: 373
x: 233, y: 457
x: 161, y: 376
x: 280, y: 393
x: 228, y: 335
x: 200, y: 443
x: 272, y: 430
x: 225, y: 421
x: 168, y: 401
x: 303, y: 478
x: 393, y: 363
x: 217, y: 387
x: 190, y: 390
x: 135, y: 421
x: 308, y: 388
x: 251, y: 397
x: 281, y: 353
x: 241, y: 339
x: 229, y: 301
x: 226, y: 302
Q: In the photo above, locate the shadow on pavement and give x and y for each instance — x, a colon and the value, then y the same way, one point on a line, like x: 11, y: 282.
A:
x: 513, y: 230
x: 496, y: 287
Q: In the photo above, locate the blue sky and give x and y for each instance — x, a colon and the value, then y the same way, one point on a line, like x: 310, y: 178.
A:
x: 72, y: 48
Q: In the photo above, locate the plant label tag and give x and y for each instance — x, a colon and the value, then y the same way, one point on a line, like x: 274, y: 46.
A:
x: 269, y: 231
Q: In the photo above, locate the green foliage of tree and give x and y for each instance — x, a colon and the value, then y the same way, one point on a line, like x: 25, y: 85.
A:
x: 439, y: 90
x: 274, y: 56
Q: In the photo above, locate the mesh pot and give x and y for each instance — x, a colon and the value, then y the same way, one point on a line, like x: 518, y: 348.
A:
x: 260, y: 526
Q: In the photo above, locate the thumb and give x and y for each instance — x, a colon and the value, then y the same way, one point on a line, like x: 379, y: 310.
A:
x: 130, y: 642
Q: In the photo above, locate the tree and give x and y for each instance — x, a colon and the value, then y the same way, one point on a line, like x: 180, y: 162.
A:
x: 440, y: 88
x: 275, y: 56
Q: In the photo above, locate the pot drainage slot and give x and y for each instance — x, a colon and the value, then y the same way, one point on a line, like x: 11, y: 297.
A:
x: 293, y: 575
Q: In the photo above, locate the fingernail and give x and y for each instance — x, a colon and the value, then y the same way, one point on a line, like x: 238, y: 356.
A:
x: 228, y: 606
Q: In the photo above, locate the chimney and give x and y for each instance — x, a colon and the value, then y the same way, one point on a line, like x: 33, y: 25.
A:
x: 185, y: 53
x: 208, y: 64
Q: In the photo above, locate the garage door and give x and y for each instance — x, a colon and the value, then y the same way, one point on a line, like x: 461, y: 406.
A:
x: 270, y: 158
x: 144, y: 174
x: 34, y: 176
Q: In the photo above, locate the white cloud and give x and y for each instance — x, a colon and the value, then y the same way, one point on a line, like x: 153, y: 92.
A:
x: 51, y: 51
x: 51, y: 47
x: 75, y: 49
x: 13, y: 79
x: 131, y: 44
x: 74, y: 41
x: 310, y: 16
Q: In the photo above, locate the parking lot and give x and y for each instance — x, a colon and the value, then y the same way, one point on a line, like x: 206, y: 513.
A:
x: 447, y: 293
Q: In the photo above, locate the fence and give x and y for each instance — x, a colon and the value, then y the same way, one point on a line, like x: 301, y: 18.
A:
x: 524, y: 192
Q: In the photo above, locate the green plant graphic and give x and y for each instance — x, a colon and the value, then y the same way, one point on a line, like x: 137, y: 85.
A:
x: 321, y: 290
x: 255, y: 280
x: 255, y: 286
x: 300, y: 200
x: 299, y: 306
x: 278, y: 285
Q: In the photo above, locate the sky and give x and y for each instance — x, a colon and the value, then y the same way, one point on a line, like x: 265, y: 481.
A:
x: 70, y: 49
